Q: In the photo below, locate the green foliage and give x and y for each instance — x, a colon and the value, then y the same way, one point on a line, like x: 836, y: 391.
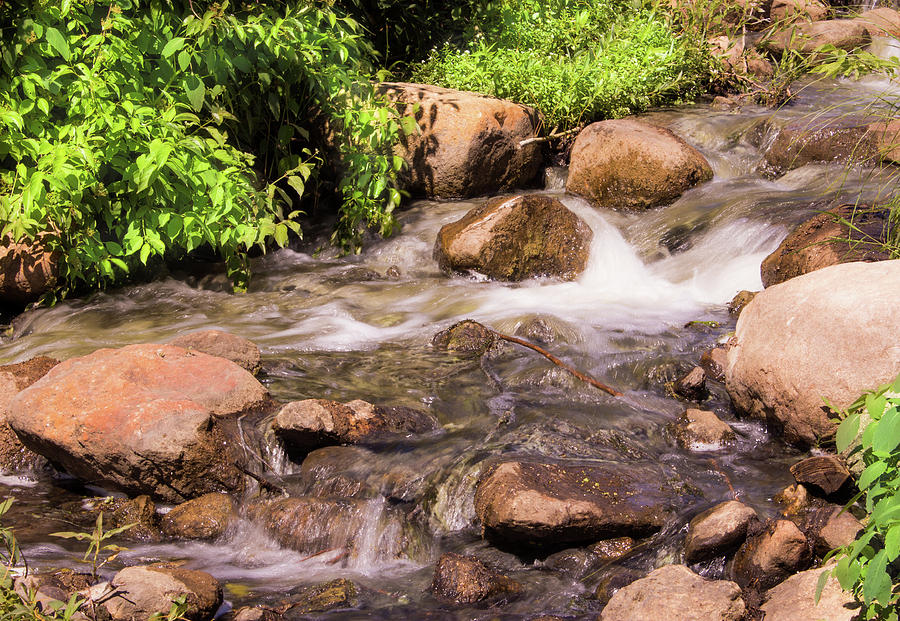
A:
x: 867, y: 566
x: 176, y: 612
x: 574, y: 60
x: 130, y: 133
x: 98, y: 552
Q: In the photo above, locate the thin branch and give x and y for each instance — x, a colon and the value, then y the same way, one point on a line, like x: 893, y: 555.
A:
x: 549, y: 137
x: 584, y: 378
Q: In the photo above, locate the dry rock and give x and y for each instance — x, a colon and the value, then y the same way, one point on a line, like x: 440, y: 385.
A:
x: 143, y: 591
x: 28, y: 270
x: 881, y: 22
x: 717, y: 531
x: 224, y: 345
x: 795, y: 600
x: 771, y: 555
x: 806, y: 37
x: 14, y: 378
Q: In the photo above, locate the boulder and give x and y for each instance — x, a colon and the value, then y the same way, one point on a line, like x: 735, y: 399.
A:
x: 143, y: 591
x: 885, y: 136
x: 809, y: 10
x: 631, y: 165
x: 143, y: 419
x: 466, y: 337
x: 830, y: 140
x: 880, y: 22
x: 718, y: 530
x: 770, y: 556
x: 692, y: 386
x: 49, y: 590
x: 714, y: 362
x: 516, y: 238
x: 700, y: 430
x: 825, y: 473
x: 739, y: 301
x: 206, y: 517
x: 795, y: 599
x: 15, y: 378
x: 224, y: 345
x: 356, y: 472
x: 826, y: 239
x: 807, y: 37
x: 466, y: 580
x: 830, y: 333
x: 675, y: 593
x: 314, y: 423
x: 28, y: 270
x: 840, y: 529
x: 466, y: 144
x: 339, y: 593
x: 529, y: 504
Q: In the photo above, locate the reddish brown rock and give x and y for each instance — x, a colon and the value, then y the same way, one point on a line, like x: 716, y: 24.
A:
x: 143, y: 591
x: 714, y: 362
x: 144, y: 419
x: 692, y: 386
x: 827, y: 239
x: 28, y: 270
x: 553, y: 505
x: 675, y: 593
x: 717, y: 531
x: 224, y: 345
x: 206, y: 517
x: 466, y: 580
x: 771, y: 555
x: 631, y: 165
x: 13, y: 379
x: 467, y: 144
x: 840, y: 529
x: 795, y: 599
x: 825, y: 473
x: 832, y: 140
x: 516, y: 238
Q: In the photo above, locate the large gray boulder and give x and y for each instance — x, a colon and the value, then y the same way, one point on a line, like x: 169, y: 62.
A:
x: 675, y: 593
x: 466, y: 144
x: 143, y: 419
x: 631, y: 165
x: 516, y: 238
x: 831, y: 333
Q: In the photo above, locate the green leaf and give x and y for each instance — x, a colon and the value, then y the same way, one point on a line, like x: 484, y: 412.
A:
x: 888, y: 436
x: 847, y: 432
x: 146, y: 249
x: 877, y: 583
x: 892, y: 542
x: 871, y: 474
x: 196, y: 91
x: 58, y: 42
x: 172, y: 46
x: 297, y: 183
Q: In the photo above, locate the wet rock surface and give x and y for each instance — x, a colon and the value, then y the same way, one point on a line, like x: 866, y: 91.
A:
x: 466, y: 580
x: 541, y: 505
x: 140, y: 512
x: 800, y: 143
x: 467, y: 337
x: 824, y: 333
x: 206, y: 517
x: 467, y: 144
x: 631, y: 165
x: 692, y: 386
x: 676, y: 593
x: 516, y: 238
x: 145, y: 419
x: 718, y: 530
x: 701, y: 430
x: 339, y: 593
x: 224, y: 345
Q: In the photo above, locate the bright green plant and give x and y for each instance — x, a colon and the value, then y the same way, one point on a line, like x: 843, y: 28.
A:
x: 867, y: 567
x: 141, y: 130
x: 98, y: 552
x: 575, y: 60
x: 176, y: 612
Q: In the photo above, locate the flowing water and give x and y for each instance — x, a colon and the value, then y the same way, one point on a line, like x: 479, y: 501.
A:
x: 360, y: 327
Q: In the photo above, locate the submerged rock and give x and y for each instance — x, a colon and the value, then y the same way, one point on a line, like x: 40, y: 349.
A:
x: 795, y: 599
x: 143, y: 591
x: 15, y: 378
x: 28, y: 270
x: 356, y: 472
x: 700, y: 430
x: 830, y: 333
x: 516, y: 238
x: 339, y: 593
x: 468, y: 337
x: 144, y: 419
x: 826, y: 239
x: 206, y: 517
x: 537, y: 505
x: 631, y: 165
x: 466, y: 580
x: 224, y: 345
x: 467, y: 144
x: 717, y: 531
x: 675, y: 593
x: 314, y: 423
x: 714, y: 362
x: 771, y: 555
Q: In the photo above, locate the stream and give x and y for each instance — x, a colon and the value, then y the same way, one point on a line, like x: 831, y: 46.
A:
x: 653, y: 298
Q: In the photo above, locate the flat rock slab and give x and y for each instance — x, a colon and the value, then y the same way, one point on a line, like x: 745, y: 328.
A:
x: 516, y: 238
x: 143, y: 419
x: 527, y: 504
x: 631, y: 165
x: 675, y: 593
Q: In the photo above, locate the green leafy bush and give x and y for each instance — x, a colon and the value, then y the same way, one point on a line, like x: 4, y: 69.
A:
x: 140, y: 129
x: 575, y: 60
x: 867, y: 566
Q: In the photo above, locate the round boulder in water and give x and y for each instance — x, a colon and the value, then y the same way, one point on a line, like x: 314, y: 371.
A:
x: 516, y: 238
x: 466, y: 580
x: 631, y: 165
x: 831, y: 333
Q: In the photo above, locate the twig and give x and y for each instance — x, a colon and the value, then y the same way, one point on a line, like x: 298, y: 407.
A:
x: 715, y: 466
x: 272, y: 487
x: 306, y: 558
x: 584, y: 378
x: 549, y: 137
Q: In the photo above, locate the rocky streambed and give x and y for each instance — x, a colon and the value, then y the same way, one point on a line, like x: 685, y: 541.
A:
x: 363, y: 437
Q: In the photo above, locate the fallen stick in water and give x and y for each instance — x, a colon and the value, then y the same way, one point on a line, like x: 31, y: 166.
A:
x: 584, y: 378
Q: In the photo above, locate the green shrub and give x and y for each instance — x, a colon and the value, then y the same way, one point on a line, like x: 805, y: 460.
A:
x: 575, y: 60
x: 867, y: 566
x: 140, y: 129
